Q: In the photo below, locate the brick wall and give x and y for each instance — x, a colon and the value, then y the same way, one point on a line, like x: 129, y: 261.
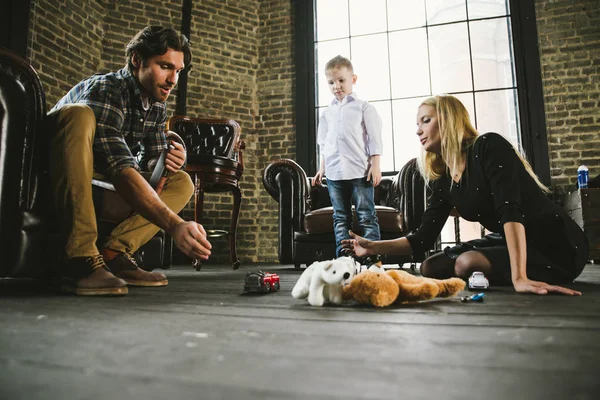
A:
x: 275, y: 127
x: 569, y: 41
x: 66, y: 40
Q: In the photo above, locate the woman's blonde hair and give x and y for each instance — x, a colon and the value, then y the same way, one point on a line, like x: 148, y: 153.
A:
x: 457, y: 134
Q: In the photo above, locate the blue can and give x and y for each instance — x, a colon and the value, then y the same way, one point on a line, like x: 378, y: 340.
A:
x: 582, y: 177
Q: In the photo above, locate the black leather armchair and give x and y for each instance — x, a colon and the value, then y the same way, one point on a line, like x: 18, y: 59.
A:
x: 306, y: 216
x: 23, y: 202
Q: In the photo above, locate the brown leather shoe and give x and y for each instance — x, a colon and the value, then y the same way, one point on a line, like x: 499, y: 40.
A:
x: 89, y: 276
x: 125, y: 267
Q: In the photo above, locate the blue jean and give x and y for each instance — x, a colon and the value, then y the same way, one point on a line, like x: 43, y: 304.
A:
x: 343, y: 194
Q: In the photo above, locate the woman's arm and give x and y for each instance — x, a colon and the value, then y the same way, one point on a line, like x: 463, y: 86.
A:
x: 418, y: 241
x: 517, y: 251
x: 363, y: 247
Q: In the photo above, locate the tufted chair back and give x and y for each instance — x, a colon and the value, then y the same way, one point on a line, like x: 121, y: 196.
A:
x: 22, y: 162
x: 202, y: 137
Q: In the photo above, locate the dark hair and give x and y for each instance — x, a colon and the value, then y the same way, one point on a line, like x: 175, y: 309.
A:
x: 155, y: 41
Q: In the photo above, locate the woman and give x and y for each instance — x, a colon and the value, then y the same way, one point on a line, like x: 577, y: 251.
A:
x: 536, y: 244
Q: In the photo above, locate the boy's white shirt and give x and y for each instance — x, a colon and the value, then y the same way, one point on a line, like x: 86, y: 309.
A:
x: 349, y: 133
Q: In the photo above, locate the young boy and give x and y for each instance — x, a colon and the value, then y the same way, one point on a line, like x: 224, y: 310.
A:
x: 349, y: 140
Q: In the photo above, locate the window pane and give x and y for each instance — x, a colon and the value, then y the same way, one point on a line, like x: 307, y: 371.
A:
x: 492, y: 57
x: 487, y: 8
x: 406, y: 141
x: 497, y: 112
x: 371, y: 65
x: 328, y: 11
x: 405, y: 14
x: 442, y: 11
x: 399, y: 62
x: 467, y: 100
x: 409, y: 63
x: 467, y: 230
x: 450, y: 61
x: 367, y: 16
x: 324, y: 52
x: 384, y: 108
x: 319, y: 113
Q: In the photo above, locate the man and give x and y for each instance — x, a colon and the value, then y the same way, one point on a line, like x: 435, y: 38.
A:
x: 103, y: 126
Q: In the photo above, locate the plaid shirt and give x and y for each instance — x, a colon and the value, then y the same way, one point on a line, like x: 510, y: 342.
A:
x: 127, y: 135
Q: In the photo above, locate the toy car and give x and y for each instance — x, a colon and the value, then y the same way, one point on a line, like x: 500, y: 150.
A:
x: 478, y: 281
x: 261, y: 282
x: 476, y: 297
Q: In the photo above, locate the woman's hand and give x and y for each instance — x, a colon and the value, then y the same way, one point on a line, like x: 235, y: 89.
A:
x: 524, y: 285
x: 358, y: 245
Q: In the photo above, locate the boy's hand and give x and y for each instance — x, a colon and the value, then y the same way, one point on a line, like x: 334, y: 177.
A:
x: 317, y: 180
x: 375, y: 174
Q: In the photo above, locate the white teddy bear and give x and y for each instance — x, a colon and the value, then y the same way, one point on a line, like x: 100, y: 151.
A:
x: 322, y: 281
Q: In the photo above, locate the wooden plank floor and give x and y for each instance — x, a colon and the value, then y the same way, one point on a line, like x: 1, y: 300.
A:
x: 201, y: 338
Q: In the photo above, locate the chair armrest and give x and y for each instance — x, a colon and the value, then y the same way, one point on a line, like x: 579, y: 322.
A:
x: 287, y: 183
x: 387, y: 193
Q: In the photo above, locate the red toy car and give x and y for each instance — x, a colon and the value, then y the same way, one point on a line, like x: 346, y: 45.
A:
x: 261, y: 282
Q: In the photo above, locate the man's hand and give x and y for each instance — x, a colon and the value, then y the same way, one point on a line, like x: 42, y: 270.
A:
x: 175, y: 157
x: 190, y: 238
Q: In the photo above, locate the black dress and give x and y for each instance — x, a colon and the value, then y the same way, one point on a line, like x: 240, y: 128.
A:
x: 495, y: 188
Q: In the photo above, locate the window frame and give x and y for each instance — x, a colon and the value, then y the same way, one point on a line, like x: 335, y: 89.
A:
x: 527, y: 68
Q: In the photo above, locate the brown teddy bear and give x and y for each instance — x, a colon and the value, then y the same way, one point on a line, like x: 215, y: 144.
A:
x: 380, y: 288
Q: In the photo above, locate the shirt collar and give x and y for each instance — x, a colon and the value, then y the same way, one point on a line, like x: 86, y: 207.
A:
x: 134, y: 87
x: 352, y: 96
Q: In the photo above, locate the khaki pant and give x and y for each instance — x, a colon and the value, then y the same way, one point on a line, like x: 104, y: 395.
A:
x: 71, y: 171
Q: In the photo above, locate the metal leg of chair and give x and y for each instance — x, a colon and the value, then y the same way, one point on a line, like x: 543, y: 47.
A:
x: 237, y: 203
x: 198, y: 209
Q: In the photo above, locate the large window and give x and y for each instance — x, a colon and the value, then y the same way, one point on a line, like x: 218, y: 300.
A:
x: 405, y: 51
x: 482, y: 51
